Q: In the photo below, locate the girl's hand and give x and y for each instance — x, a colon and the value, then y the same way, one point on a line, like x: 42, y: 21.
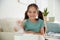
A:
x: 20, y: 23
x: 29, y: 32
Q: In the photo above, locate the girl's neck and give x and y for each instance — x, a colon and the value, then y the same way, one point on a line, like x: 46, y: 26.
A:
x: 33, y: 20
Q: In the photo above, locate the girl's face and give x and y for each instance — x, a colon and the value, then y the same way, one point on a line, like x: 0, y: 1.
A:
x: 32, y: 13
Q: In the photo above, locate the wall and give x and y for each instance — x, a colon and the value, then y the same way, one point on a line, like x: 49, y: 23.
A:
x: 54, y: 9
x: 13, y: 9
x: 57, y: 10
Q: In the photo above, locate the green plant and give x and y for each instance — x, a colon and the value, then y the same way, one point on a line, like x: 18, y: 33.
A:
x: 45, y: 13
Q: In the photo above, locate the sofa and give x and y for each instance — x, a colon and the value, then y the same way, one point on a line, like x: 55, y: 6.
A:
x: 6, y: 35
x: 53, y: 27
x: 8, y: 24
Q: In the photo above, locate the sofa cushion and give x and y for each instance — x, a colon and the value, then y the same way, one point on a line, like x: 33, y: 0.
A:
x: 53, y: 27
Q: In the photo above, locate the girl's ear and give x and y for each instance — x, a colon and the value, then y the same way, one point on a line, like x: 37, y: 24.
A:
x: 37, y: 14
x: 37, y: 17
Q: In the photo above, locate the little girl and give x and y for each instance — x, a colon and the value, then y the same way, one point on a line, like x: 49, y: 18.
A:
x: 32, y: 22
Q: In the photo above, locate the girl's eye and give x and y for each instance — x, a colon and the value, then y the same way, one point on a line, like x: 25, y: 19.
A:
x: 34, y: 12
x: 30, y: 12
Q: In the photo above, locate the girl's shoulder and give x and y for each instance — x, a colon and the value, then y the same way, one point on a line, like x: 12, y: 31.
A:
x: 40, y: 20
x: 25, y: 20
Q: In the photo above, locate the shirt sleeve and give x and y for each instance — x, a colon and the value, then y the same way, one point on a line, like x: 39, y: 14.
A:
x: 42, y: 23
x: 24, y: 23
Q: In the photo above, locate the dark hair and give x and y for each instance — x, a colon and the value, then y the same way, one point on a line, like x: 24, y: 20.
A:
x: 40, y: 16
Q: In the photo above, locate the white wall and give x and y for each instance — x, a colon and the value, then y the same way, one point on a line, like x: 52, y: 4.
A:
x: 57, y: 10
x: 11, y: 9
x: 42, y: 4
x: 51, y: 8
x: 54, y: 9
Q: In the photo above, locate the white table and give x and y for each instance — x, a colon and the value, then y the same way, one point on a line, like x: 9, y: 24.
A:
x: 32, y: 37
x: 28, y: 37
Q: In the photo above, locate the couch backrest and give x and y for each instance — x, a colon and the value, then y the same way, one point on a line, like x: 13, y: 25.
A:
x: 53, y: 27
x: 8, y: 24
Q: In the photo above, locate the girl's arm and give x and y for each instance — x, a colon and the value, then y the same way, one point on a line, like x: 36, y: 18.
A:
x: 41, y: 32
x: 29, y: 32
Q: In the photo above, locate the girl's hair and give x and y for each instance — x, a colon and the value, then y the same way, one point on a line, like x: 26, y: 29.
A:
x: 40, y: 16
